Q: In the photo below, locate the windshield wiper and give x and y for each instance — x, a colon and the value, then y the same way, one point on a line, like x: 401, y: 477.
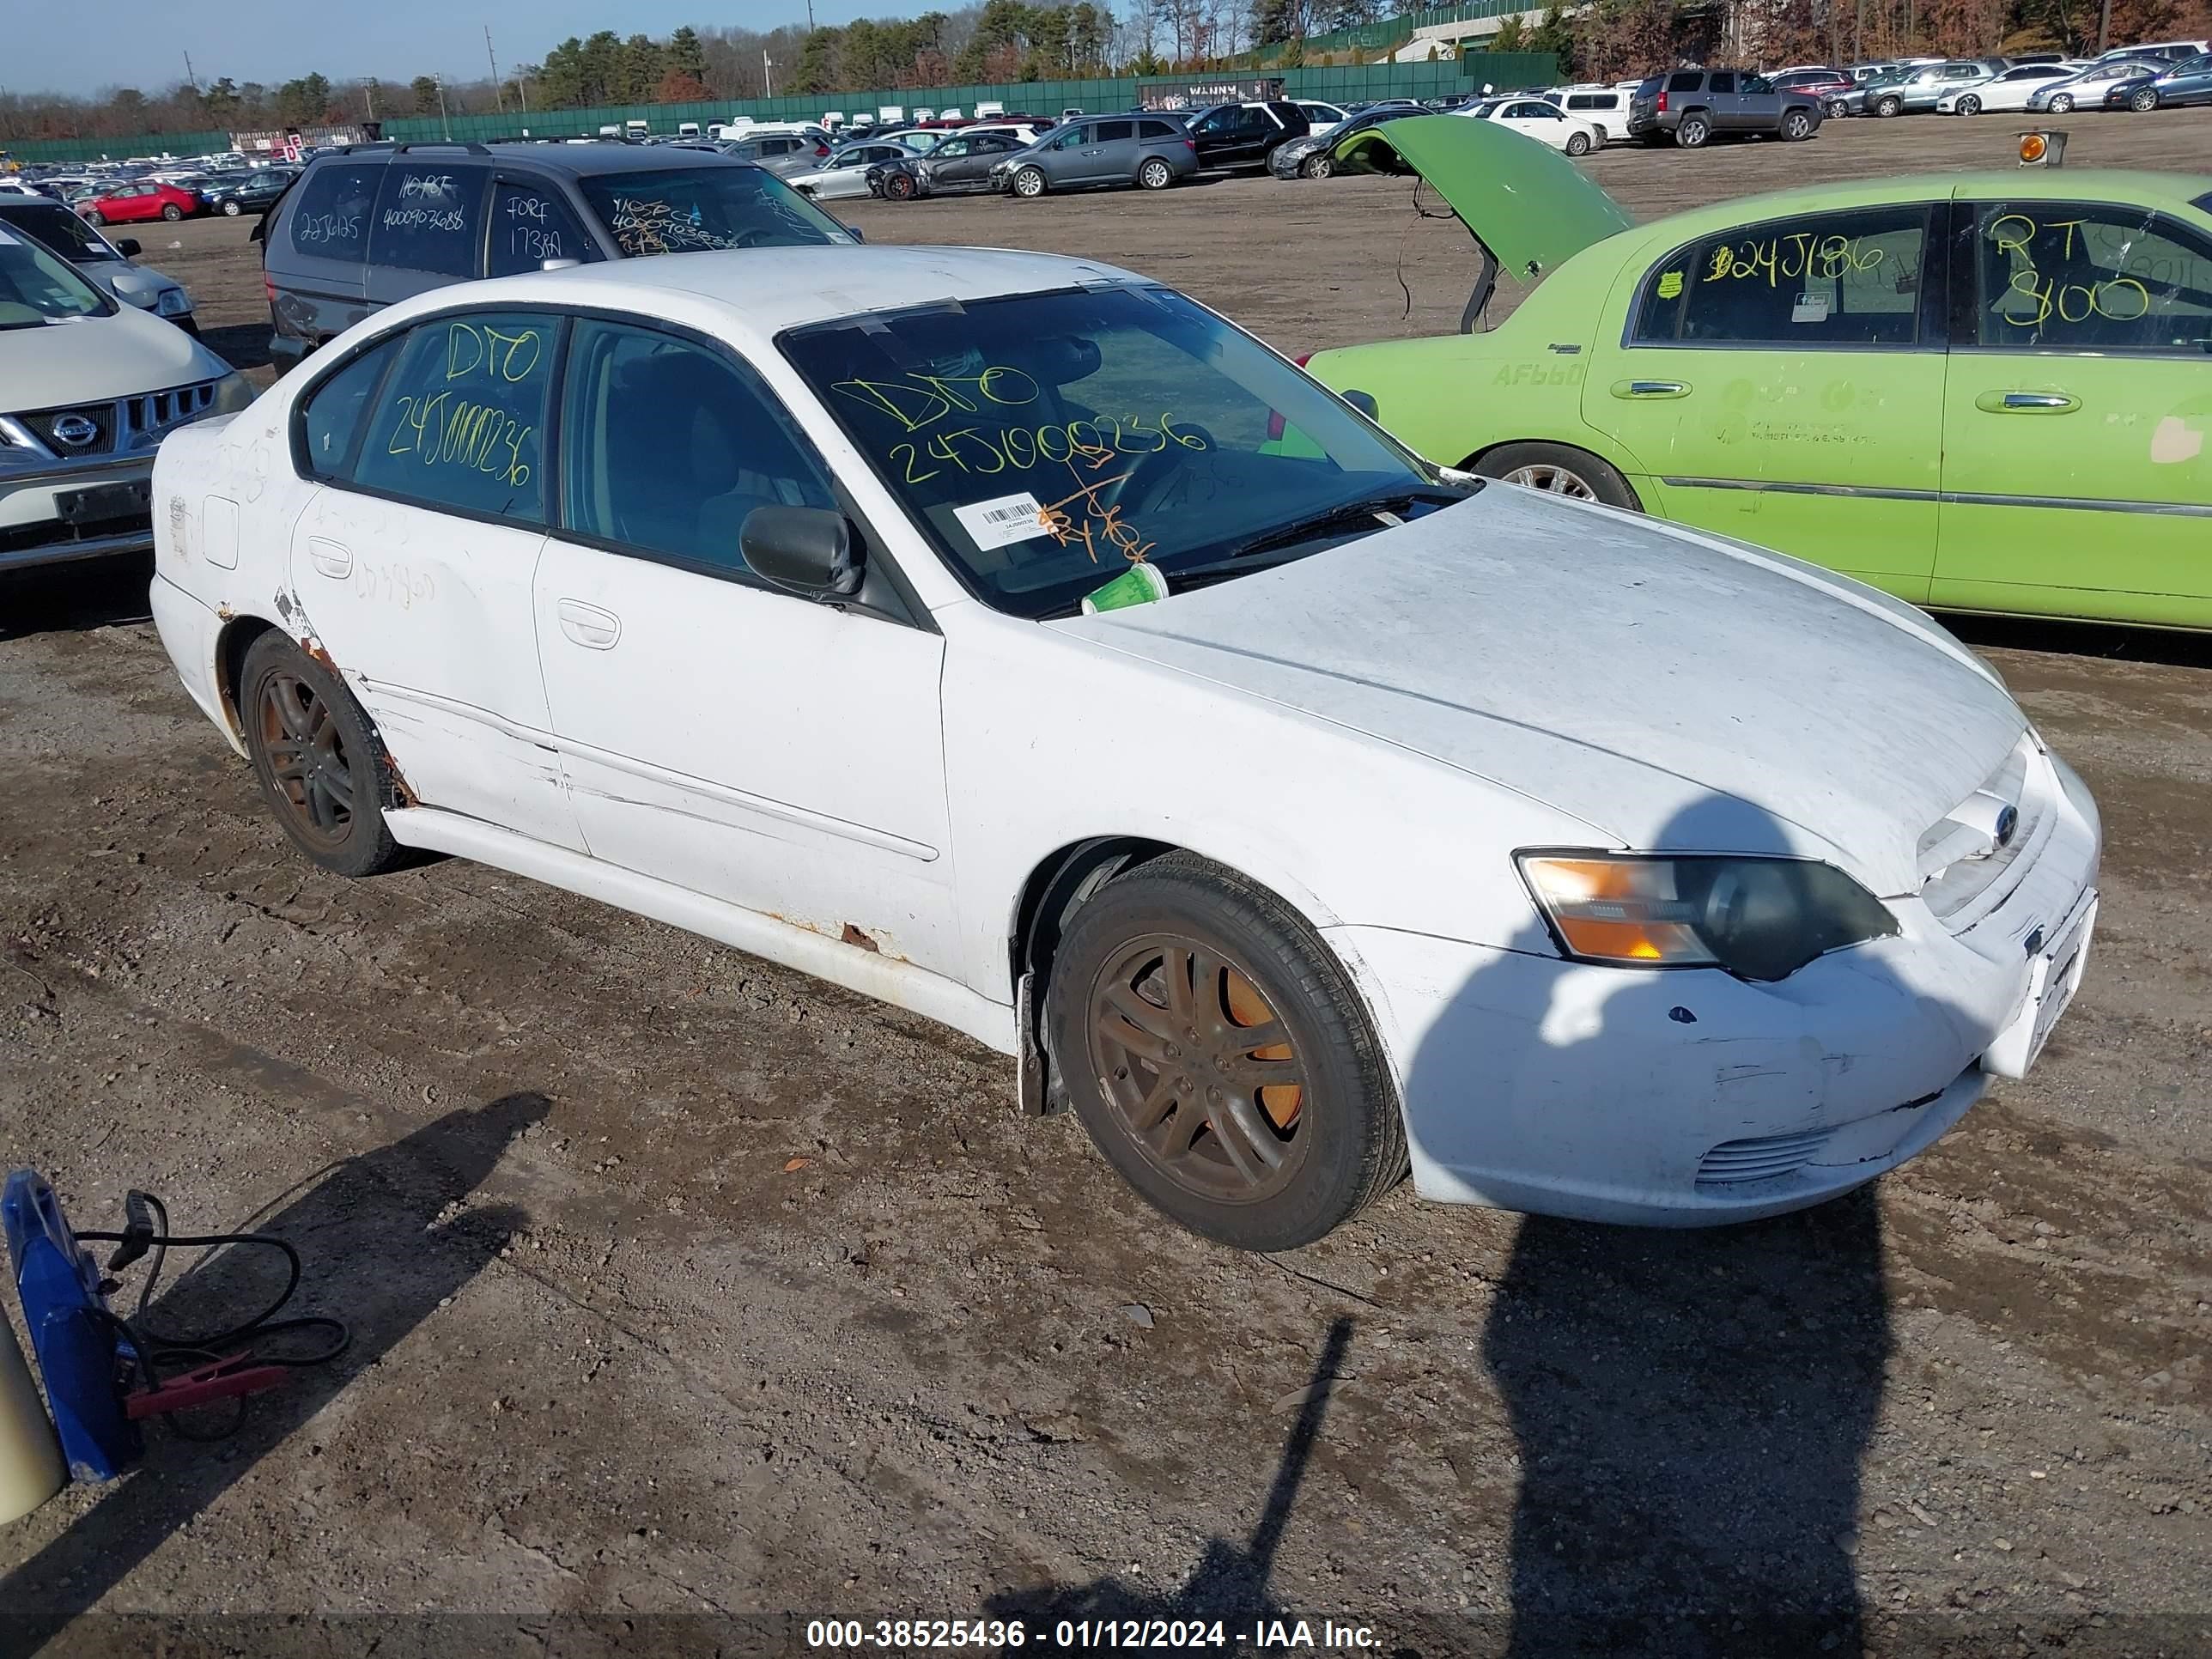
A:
x: 1315, y: 525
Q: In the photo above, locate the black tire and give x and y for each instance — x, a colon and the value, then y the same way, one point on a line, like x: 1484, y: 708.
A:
x: 2143, y: 99
x: 1797, y: 127
x: 1337, y: 1137
x: 322, y: 769
x: 1560, y: 470
x: 1692, y: 131
x: 900, y: 187
x: 1155, y: 174
x: 94, y: 216
x: 231, y: 210
x: 1322, y: 165
x: 1892, y: 105
x: 172, y: 212
x: 2062, y: 103
x: 1835, y: 109
x: 1578, y: 143
x: 1030, y: 183
x: 1969, y: 105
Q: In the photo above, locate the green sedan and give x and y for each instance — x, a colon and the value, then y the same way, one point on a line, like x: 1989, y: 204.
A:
x: 1982, y: 391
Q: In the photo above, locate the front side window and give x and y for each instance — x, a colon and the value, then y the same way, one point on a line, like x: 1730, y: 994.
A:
x: 2091, y: 277
x: 37, y: 289
x: 952, y: 150
x: 667, y: 446
x: 1757, y: 83
x: 328, y: 215
x: 429, y: 217
x: 1826, y: 281
x: 61, y: 230
x: 1045, y: 439
x: 687, y: 210
x: 530, y: 224
x: 460, y: 424
x: 1071, y: 138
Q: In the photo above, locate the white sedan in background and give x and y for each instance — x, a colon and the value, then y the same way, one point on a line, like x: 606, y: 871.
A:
x: 1546, y: 123
x: 846, y: 172
x: 1580, y: 862
x: 2010, y: 90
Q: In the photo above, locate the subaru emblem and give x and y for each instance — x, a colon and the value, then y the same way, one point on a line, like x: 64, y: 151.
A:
x: 2008, y: 821
x: 75, y: 431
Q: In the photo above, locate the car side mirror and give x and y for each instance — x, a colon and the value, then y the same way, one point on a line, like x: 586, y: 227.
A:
x: 807, y: 550
x: 1362, y: 401
x: 128, y: 246
x: 855, y: 232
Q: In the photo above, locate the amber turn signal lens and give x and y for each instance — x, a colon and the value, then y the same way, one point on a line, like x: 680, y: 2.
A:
x: 2032, y: 147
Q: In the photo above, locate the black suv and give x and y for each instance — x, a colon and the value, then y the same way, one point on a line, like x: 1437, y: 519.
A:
x: 1246, y: 135
x: 1693, y: 106
x: 371, y: 224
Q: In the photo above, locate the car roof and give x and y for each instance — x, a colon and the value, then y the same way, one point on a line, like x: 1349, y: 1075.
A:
x: 757, y: 293
x: 2172, y: 190
x: 596, y: 157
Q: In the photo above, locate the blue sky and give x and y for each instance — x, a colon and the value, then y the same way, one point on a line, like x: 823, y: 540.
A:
x: 142, y: 43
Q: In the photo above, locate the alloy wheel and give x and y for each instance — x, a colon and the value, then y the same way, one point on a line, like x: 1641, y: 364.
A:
x: 1554, y: 480
x: 308, y: 758
x: 1199, y: 1071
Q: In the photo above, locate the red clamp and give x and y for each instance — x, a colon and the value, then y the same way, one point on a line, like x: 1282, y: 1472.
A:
x: 222, y: 1379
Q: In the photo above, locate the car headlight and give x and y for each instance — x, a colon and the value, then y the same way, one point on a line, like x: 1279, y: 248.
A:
x: 231, y: 394
x: 1757, y: 918
x: 173, y: 302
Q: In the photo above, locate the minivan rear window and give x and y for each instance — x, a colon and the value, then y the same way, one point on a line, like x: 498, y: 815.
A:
x: 429, y: 216
x: 1114, y: 131
x: 1155, y: 129
x: 328, y: 214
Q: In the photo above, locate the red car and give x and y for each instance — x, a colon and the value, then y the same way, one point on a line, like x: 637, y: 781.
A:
x: 127, y: 203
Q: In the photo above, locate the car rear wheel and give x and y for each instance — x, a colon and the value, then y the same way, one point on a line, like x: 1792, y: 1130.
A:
x: 1578, y: 143
x: 1220, y: 1059
x: 1557, y: 470
x: 1796, y: 126
x: 1317, y: 167
x: 1835, y: 109
x: 2144, y: 98
x: 1029, y: 182
x: 2062, y: 103
x: 172, y: 212
x: 1693, y: 132
x: 1970, y: 105
x: 1888, y: 106
x: 899, y: 187
x: 321, y: 768
x: 1155, y: 174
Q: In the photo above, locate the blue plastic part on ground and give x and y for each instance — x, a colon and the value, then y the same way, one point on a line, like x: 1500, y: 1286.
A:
x: 58, y: 1283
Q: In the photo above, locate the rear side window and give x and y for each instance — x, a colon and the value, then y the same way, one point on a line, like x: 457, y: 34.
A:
x: 1685, y: 80
x: 530, y: 224
x: 1826, y: 281
x: 1155, y: 129
x: 336, y: 413
x: 1723, y: 83
x: 1114, y: 131
x: 429, y: 217
x: 460, y: 424
x: 328, y: 215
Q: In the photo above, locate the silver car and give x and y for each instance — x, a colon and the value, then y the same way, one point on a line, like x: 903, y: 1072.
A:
x: 1149, y: 151
x: 105, y: 265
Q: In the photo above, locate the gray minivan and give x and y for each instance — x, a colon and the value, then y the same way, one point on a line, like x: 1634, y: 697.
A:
x: 1150, y: 151
x: 371, y: 224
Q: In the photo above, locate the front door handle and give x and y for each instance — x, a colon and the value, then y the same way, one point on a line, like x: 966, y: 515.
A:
x: 333, y: 559
x: 588, y: 625
x: 1650, y: 389
x: 2027, y: 403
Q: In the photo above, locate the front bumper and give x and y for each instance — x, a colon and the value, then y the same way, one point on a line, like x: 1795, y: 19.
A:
x: 1688, y: 1098
x: 33, y: 529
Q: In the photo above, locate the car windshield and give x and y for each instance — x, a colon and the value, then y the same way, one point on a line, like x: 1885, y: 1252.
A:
x: 1045, y: 440
x: 37, y: 289
x: 686, y: 210
x: 59, y: 229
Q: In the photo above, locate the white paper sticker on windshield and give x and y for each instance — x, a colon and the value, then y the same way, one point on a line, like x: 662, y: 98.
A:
x: 997, y: 524
x: 1810, y: 308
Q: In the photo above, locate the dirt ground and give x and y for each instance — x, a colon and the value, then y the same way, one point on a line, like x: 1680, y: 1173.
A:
x: 692, y: 1300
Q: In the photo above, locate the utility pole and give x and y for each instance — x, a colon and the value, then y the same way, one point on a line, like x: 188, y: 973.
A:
x: 192, y: 79
x: 498, y: 96
x: 767, y: 76
x: 2104, y: 26
x: 368, y: 97
x: 445, y: 122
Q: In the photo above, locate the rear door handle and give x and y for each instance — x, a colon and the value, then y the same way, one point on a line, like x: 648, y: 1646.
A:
x: 588, y: 625
x: 1650, y: 389
x: 2027, y: 403
x: 333, y: 559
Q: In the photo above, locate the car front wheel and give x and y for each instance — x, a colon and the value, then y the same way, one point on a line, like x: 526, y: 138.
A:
x: 1155, y: 175
x: 2061, y: 104
x: 899, y: 187
x: 1578, y: 143
x: 172, y: 212
x: 1557, y: 470
x: 1030, y: 183
x: 2145, y: 99
x: 1970, y: 105
x: 1317, y: 167
x: 321, y: 768
x: 94, y: 216
x: 231, y: 210
x: 1692, y: 132
x: 1220, y: 1058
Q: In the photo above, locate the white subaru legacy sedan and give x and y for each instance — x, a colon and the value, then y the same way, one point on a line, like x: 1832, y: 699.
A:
x: 1581, y: 863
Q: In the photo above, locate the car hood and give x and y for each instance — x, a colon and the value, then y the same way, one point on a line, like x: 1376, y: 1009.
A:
x: 99, y: 358
x: 1636, y: 676
x: 1530, y: 205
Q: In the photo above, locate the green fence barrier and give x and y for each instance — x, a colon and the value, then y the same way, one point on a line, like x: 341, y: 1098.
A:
x: 1342, y: 84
